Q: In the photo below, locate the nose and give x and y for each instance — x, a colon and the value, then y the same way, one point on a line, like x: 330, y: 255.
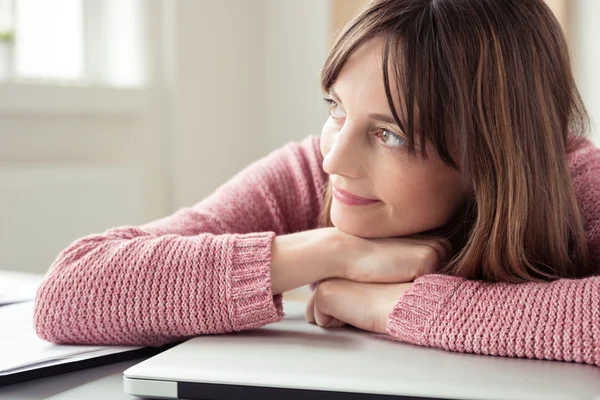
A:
x: 344, y: 157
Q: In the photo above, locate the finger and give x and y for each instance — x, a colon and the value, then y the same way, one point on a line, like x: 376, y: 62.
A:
x: 357, y: 304
x: 323, y: 318
x: 309, y: 313
x: 425, y: 257
x: 440, y: 243
x: 444, y: 248
x: 447, y: 245
x: 411, y: 257
x: 324, y: 304
x: 327, y: 321
x: 336, y: 323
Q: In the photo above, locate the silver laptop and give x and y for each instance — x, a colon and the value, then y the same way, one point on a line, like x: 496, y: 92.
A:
x: 295, y: 360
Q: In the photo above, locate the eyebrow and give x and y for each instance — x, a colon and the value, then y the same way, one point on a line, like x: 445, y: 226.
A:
x: 383, y: 118
x: 388, y: 119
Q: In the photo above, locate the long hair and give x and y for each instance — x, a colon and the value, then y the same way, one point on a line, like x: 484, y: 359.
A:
x: 489, y: 84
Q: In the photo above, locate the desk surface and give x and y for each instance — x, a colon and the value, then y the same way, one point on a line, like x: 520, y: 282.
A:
x: 105, y: 383
x: 102, y: 383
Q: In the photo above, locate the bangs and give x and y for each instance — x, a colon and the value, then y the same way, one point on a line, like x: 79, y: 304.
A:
x: 414, y: 86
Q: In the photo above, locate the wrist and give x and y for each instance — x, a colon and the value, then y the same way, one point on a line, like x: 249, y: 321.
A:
x: 330, y: 250
x: 302, y: 258
x: 337, y: 251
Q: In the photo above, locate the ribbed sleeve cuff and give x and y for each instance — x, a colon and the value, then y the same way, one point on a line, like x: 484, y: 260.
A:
x: 419, y: 306
x: 250, y: 298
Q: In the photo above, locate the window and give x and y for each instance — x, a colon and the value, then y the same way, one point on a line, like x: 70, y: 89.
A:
x: 49, y: 39
x: 6, y: 37
x: 81, y: 41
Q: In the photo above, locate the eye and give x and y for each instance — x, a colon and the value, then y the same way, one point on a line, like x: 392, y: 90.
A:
x: 335, y: 110
x: 390, y: 139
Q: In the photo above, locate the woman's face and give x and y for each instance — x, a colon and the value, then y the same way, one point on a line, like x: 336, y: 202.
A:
x: 365, y: 155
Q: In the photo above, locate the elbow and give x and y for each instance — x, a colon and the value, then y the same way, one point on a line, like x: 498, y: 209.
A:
x: 58, y: 299
x: 85, y: 297
x: 45, y: 322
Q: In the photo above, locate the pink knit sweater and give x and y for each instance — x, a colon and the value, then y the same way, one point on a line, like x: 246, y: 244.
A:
x: 205, y: 269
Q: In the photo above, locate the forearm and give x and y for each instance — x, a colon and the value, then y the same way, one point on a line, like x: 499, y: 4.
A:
x: 128, y: 288
x: 553, y: 321
x: 302, y: 258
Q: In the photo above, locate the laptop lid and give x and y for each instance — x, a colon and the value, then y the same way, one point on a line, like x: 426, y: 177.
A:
x: 295, y: 360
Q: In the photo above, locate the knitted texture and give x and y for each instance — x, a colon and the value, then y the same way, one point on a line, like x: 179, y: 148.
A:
x: 552, y: 321
x: 203, y: 270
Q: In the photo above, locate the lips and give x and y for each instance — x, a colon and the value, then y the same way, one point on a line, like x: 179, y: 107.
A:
x: 351, y: 199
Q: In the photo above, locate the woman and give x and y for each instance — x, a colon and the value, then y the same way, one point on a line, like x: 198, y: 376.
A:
x: 450, y: 202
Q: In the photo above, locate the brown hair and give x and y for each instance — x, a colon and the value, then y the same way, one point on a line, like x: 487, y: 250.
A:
x: 495, y: 95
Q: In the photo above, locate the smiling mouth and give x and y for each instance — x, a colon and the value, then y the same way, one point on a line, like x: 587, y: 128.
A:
x: 351, y: 199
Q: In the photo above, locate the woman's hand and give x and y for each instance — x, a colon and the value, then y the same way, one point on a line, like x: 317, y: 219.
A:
x: 378, y: 272
x: 336, y: 302
x: 394, y: 260
x: 302, y: 258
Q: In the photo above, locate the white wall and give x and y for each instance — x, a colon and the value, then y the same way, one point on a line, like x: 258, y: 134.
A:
x: 215, y: 92
x: 228, y: 82
x: 297, y: 41
x: 75, y: 160
x: 70, y: 165
x: 586, y: 57
x: 242, y: 80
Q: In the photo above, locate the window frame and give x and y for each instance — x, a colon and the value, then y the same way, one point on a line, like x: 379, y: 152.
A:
x: 93, y: 94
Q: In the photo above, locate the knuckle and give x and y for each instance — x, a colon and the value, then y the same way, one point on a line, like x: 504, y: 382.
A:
x: 324, y: 291
x: 439, y: 249
x: 428, y: 260
x: 446, y: 246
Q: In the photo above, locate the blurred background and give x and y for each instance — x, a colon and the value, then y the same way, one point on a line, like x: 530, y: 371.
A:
x: 117, y: 112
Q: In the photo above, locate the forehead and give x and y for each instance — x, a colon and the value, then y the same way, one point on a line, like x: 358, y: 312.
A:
x: 361, y: 77
x: 366, y: 59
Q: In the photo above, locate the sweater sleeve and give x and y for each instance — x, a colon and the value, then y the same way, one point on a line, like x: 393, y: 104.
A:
x: 203, y: 270
x: 559, y: 320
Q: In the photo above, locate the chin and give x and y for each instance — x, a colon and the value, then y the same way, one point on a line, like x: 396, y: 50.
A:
x: 355, y: 228
x: 369, y: 228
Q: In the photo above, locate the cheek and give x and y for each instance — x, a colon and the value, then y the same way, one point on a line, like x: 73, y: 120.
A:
x: 423, y: 199
x: 329, y: 129
x: 443, y: 194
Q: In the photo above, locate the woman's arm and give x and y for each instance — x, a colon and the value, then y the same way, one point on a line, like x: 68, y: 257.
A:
x: 551, y: 321
x: 205, y: 269
x: 305, y: 257
x: 557, y: 321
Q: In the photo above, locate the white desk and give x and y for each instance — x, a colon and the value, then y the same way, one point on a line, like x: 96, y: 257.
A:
x: 102, y: 383
x: 106, y: 382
